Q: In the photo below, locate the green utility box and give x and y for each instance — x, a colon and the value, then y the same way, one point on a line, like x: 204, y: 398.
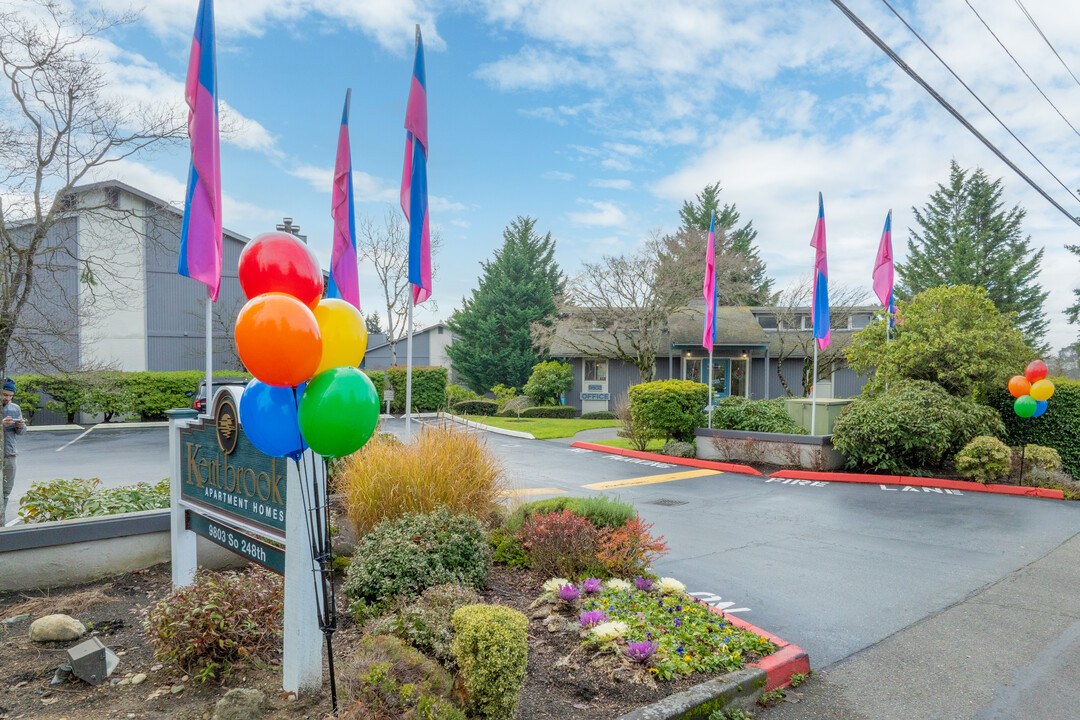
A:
x: 828, y: 410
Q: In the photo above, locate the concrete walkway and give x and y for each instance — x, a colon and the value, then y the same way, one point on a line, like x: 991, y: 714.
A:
x: 1010, y: 650
x: 609, y: 433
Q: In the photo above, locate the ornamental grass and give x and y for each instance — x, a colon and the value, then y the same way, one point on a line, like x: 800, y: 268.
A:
x: 441, y: 467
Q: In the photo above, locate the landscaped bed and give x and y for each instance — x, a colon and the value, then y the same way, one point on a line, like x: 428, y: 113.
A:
x: 543, y: 428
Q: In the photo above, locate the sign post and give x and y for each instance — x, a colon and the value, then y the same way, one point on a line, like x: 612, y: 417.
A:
x: 224, y: 489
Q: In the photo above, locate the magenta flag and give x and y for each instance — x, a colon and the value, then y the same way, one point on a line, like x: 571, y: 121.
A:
x: 820, y: 312
x: 344, y: 280
x: 883, y: 266
x: 414, y: 195
x: 200, y: 235
x: 708, y: 336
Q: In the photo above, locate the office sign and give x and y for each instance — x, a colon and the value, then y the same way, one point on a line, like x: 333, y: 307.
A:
x: 595, y: 396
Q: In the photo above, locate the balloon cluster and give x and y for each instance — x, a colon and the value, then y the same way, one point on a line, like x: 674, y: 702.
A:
x: 1031, y: 390
x: 303, y: 351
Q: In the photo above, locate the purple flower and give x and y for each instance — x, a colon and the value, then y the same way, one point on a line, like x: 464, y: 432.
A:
x: 640, y: 652
x: 569, y: 593
x: 592, y: 618
x: 591, y: 585
x: 643, y: 584
x: 678, y: 622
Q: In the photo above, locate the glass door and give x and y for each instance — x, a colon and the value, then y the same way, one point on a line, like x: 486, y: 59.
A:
x: 738, y: 377
x: 721, y: 378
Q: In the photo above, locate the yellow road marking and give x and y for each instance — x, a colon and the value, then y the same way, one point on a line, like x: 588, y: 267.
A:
x: 535, y: 491
x: 650, y: 479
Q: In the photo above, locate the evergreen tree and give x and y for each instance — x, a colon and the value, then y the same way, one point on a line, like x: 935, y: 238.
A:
x: 966, y: 238
x: 739, y: 269
x: 1073, y: 311
x: 372, y: 324
x: 518, y: 288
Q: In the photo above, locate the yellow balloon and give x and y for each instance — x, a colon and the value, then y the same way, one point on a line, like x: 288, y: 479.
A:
x: 343, y: 334
x: 1042, y: 390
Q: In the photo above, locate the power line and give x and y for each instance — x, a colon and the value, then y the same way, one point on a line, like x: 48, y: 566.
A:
x: 979, y: 99
x: 1046, y: 39
x: 1032, y: 81
x: 945, y: 104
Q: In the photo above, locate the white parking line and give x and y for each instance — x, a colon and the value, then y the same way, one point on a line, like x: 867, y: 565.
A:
x: 718, y: 602
x: 84, y: 434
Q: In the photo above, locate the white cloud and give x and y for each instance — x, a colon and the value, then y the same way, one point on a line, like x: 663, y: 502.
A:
x: 603, y: 214
x: 610, y: 184
x: 536, y: 69
x: 558, y: 175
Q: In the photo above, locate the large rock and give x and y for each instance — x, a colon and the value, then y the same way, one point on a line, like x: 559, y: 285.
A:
x: 241, y: 704
x: 52, y: 628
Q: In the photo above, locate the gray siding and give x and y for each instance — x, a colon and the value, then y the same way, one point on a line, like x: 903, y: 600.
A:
x: 848, y: 383
x: 381, y: 358
x: 793, y: 375
x: 176, y: 305
x: 758, y: 378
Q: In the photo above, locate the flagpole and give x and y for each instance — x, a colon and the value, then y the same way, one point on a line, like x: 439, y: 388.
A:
x: 813, y: 392
x: 408, y: 371
x: 710, y: 387
x: 209, y: 353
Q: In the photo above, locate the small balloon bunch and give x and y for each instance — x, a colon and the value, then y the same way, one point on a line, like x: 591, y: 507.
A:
x: 1032, y: 390
x: 304, y: 352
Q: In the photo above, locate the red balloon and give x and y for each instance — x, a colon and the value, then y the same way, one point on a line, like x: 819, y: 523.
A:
x: 1035, y: 371
x: 278, y: 339
x: 278, y: 262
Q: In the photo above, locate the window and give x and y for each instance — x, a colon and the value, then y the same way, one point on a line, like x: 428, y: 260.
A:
x: 858, y: 322
x: 767, y: 321
x: 595, y: 370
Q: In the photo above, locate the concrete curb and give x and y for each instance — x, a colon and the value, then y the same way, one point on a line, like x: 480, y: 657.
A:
x: 1045, y: 493
x: 489, y: 428
x: 689, y: 462
x: 782, y: 664
x: 100, y: 426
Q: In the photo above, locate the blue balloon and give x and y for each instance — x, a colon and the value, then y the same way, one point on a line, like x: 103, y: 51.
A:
x: 1040, y: 407
x: 268, y: 417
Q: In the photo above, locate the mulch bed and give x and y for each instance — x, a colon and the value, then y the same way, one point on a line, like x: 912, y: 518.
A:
x: 584, y: 691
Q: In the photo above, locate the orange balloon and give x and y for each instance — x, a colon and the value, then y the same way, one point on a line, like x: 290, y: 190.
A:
x: 278, y: 339
x: 1019, y: 386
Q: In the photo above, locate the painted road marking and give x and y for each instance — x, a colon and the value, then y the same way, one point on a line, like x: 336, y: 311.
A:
x: 636, y: 461
x: 650, y: 479
x: 87, y: 432
x: 534, y: 491
x: 791, y: 481
x: 718, y: 602
x: 908, y: 488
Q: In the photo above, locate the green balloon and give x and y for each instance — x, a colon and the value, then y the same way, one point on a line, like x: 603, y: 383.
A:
x: 1025, y: 406
x: 338, y: 411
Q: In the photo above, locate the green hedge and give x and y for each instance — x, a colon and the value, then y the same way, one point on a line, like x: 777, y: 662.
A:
x: 739, y: 413
x: 492, y: 650
x: 112, y: 393
x: 561, y: 412
x: 598, y: 415
x: 476, y: 407
x: 1059, y: 427
x: 670, y: 408
x: 602, y: 511
x: 428, y: 387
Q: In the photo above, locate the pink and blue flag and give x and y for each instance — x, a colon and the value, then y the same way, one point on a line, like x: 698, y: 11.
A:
x: 708, y: 336
x: 200, y: 236
x: 820, y: 312
x: 344, y: 279
x: 414, y: 195
x: 883, y: 269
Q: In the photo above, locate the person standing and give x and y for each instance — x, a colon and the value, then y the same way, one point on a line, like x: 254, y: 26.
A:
x: 13, y: 426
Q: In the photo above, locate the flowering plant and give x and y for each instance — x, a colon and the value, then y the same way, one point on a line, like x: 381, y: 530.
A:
x: 569, y: 593
x: 552, y: 586
x: 640, y: 652
x: 609, y: 631
x: 592, y: 618
x: 618, y: 585
x: 643, y: 584
x: 591, y: 585
x: 668, y: 585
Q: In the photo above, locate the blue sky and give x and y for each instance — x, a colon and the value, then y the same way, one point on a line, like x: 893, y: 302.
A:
x: 599, y: 117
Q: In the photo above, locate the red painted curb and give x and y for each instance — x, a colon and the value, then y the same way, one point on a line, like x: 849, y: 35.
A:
x: 921, y: 482
x: 782, y: 664
x: 690, y: 462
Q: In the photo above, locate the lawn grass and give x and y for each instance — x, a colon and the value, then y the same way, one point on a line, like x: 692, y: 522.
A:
x: 544, y: 428
x: 623, y: 443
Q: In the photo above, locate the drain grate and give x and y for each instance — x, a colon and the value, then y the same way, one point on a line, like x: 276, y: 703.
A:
x: 666, y: 502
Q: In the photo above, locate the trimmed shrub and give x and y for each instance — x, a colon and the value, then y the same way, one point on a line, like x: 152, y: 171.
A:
x: 407, y: 555
x: 598, y: 415
x: 485, y: 408
x: 739, y: 413
x: 378, y: 379
x: 1042, y: 457
x: 492, y: 650
x: 633, y: 427
x: 631, y: 549
x: 387, y: 479
x: 220, y: 618
x: 503, y: 394
x: 457, y: 393
x: 549, y: 380
x: 561, y: 412
x: 428, y: 388
x: 79, y: 498
x: 675, y: 448
x: 1057, y: 428
x: 513, y: 407
x: 601, y: 511
x: 670, y: 408
x: 427, y: 623
x: 508, y: 549
x: 559, y: 544
x: 910, y: 429
x: 984, y: 459
x: 387, y: 680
